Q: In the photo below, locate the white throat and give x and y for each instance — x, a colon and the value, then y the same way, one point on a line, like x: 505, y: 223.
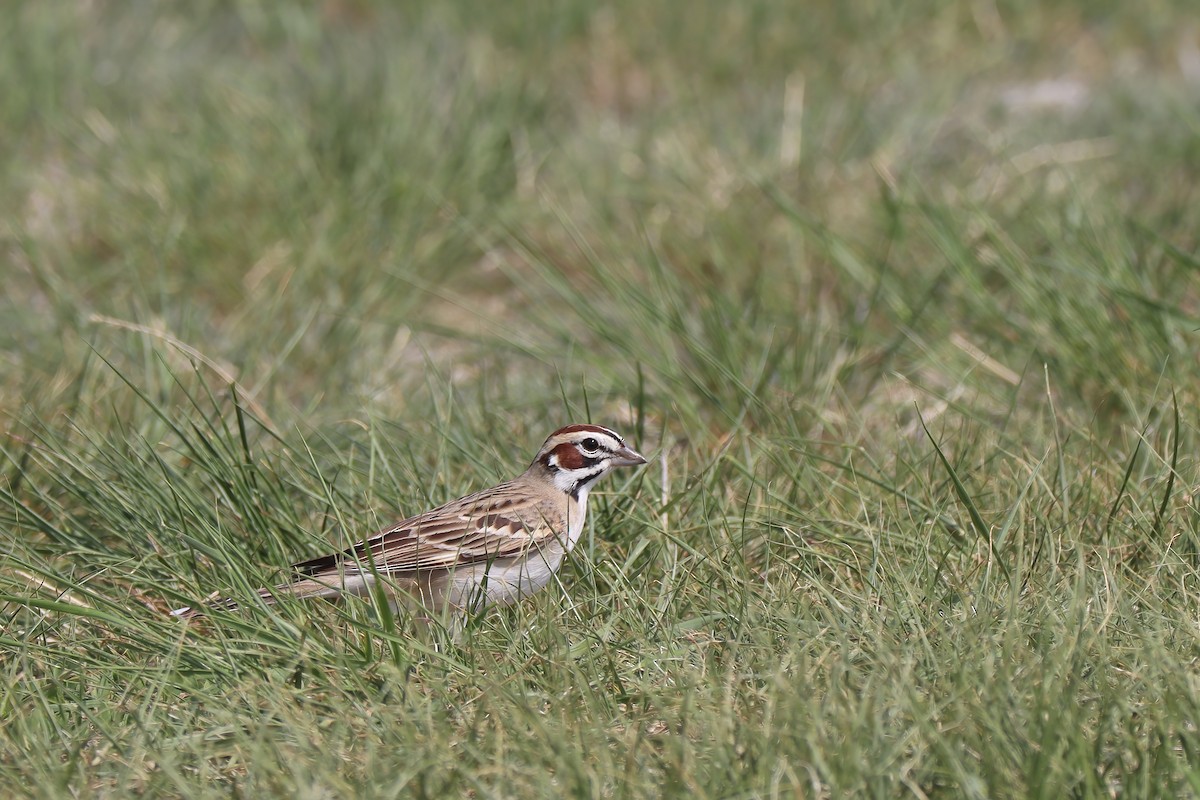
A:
x: 575, y: 521
x: 564, y: 481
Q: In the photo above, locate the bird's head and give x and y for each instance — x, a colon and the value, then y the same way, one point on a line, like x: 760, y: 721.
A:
x: 579, y: 455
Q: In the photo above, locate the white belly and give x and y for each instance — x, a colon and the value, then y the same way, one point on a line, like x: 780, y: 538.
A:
x: 505, y: 581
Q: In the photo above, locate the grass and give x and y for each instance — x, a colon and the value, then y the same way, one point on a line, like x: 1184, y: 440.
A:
x: 902, y: 299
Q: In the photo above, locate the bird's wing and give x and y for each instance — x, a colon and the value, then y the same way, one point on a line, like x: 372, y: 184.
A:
x: 483, y: 527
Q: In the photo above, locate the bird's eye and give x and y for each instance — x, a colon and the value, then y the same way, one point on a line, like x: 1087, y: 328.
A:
x: 590, y: 444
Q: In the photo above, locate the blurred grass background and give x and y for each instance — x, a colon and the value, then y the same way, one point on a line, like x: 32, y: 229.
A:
x: 903, y: 298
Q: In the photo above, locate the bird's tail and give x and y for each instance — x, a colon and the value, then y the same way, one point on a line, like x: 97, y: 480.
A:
x: 307, y: 587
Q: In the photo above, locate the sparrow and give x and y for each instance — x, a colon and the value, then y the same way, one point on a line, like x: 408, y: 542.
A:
x: 493, y: 547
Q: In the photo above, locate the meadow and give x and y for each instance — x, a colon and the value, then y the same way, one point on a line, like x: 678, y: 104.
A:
x: 901, y: 299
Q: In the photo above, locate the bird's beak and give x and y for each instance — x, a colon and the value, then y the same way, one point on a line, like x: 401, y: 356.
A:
x: 627, y: 457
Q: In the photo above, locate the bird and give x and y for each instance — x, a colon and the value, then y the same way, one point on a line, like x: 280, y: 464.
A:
x: 490, y: 548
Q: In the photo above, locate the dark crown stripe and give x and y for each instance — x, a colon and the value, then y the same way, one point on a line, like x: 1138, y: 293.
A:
x: 588, y: 429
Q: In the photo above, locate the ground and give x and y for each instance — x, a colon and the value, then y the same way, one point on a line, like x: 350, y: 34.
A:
x: 901, y: 299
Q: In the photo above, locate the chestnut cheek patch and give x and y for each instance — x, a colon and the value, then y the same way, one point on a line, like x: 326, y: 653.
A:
x: 568, y: 456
